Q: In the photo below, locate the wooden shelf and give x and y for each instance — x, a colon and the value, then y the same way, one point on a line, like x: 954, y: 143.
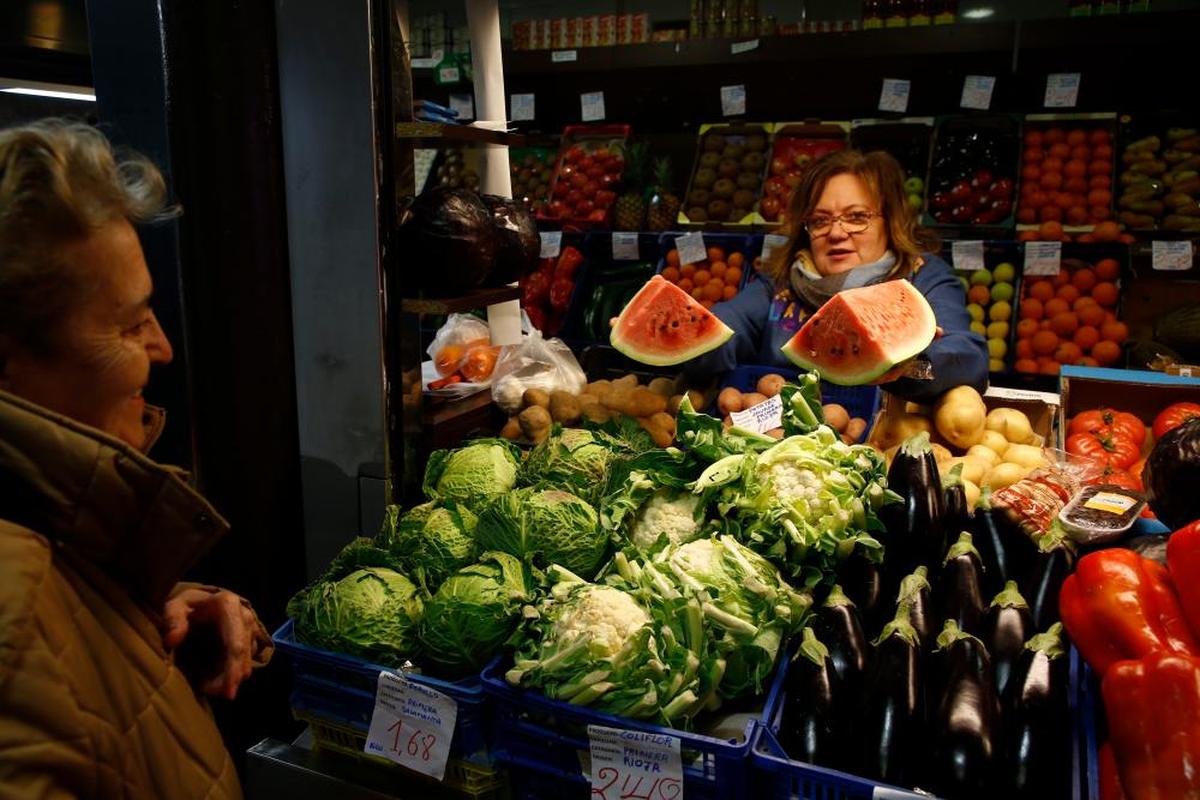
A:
x: 433, y: 134
x: 480, y: 298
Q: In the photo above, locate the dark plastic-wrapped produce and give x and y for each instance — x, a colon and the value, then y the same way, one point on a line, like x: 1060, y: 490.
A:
x: 448, y: 242
x: 1172, y: 474
x: 517, y: 242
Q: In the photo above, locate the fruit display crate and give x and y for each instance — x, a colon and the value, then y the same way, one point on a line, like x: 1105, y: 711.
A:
x: 796, y: 146
x: 532, y: 171
x: 777, y: 777
x: 859, y: 401
x: 1067, y: 173
x: 747, y: 246
x: 606, y: 285
x: 992, y: 297
x: 972, y: 180
x: 590, y: 164
x: 727, y: 176
x: 1158, y: 172
x: 542, y: 314
x: 531, y: 732
x: 909, y: 140
x: 341, y: 688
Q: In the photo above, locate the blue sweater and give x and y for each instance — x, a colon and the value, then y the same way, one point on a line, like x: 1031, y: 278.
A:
x: 764, y: 319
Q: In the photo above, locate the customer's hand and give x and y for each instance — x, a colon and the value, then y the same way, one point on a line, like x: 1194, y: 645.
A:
x: 224, y: 626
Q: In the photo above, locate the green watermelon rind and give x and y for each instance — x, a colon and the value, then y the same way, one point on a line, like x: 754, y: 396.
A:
x: 898, y: 351
x: 721, y: 333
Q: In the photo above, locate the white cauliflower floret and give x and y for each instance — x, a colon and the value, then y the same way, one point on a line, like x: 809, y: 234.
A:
x: 675, y: 517
x: 609, y: 615
x: 790, y: 482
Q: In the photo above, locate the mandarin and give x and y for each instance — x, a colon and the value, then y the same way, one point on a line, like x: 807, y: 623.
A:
x: 1116, y: 332
x: 1108, y: 269
x: 1086, y: 337
x: 1044, y: 343
x: 1091, y: 314
x: 1083, y: 279
x: 1106, y: 353
x: 1065, y: 323
x: 1105, y: 293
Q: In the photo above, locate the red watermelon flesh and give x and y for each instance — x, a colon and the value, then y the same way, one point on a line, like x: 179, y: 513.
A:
x: 862, y: 333
x: 663, y: 326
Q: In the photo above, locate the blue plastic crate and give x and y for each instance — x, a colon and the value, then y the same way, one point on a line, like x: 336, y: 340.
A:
x: 535, y: 734
x: 779, y: 778
x: 341, y: 688
x: 859, y: 401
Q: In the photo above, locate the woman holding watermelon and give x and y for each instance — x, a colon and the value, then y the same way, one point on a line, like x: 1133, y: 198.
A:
x: 850, y: 225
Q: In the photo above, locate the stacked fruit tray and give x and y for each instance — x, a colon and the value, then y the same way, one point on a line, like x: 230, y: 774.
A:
x: 909, y: 141
x: 727, y: 177
x: 972, y: 178
x: 992, y: 297
x: 586, y: 175
x: 532, y: 170
x: 1067, y: 170
x: 1159, y: 173
x: 797, y: 145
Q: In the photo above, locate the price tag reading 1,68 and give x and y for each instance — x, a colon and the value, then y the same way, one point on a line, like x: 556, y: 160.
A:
x: 691, y: 248
x: 1043, y: 258
x: 977, y: 92
x: 1062, y: 90
x: 629, y: 765
x: 771, y: 243
x: 766, y: 416
x: 411, y: 725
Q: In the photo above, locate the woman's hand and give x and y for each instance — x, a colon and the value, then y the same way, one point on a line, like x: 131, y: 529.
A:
x: 224, y: 625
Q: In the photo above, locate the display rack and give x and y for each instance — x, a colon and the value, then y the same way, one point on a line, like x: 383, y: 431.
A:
x: 434, y: 134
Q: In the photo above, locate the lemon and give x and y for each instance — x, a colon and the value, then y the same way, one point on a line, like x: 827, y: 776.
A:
x: 1000, y: 312
x: 979, y: 327
x: 997, y: 348
x: 976, y: 312
x: 997, y: 330
x: 995, y: 365
x: 1004, y: 273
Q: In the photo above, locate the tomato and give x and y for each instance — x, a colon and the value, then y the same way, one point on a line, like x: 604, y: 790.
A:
x: 1116, y: 477
x: 479, y: 363
x: 1107, y: 448
x: 1107, y: 420
x: 1173, y: 416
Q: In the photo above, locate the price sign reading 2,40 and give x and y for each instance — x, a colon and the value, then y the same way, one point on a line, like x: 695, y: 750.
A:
x: 419, y: 745
x: 634, y: 765
x: 614, y: 784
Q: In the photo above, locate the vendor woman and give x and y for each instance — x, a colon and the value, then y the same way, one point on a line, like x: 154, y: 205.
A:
x: 850, y: 225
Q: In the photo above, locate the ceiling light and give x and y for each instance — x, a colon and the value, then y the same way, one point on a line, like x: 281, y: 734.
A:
x: 59, y: 91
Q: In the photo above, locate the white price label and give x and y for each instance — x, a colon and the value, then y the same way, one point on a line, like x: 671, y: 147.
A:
x: 551, y: 244
x: 1171, y: 256
x: 448, y: 74
x: 766, y: 416
x: 522, y: 107
x: 593, y: 106
x: 464, y: 104
x: 563, y: 56
x: 633, y: 764
x: 771, y: 243
x: 887, y: 793
x: 894, y: 96
x: 967, y: 256
x: 625, y: 247
x: 733, y: 100
x: 743, y: 47
x: 411, y: 725
x: 429, y: 63
x: 1062, y: 89
x: 504, y: 323
x: 1043, y: 258
x: 977, y: 92
x: 691, y: 248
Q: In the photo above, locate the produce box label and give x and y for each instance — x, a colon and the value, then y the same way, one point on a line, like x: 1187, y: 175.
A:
x: 766, y: 416
x: 733, y: 100
x: 551, y: 244
x: 522, y: 107
x: 412, y: 725
x: 771, y: 243
x: 967, y: 256
x: 1112, y: 503
x: 1062, y: 90
x: 1171, y: 256
x: 743, y: 47
x: 563, y: 56
x: 894, y: 96
x: 633, y: 764
x: 625, y: 247
x: 448, y: 75
x: 691, y: 248
x: 977, y: 92
x: 1043, y: 258
x: 592, y: 104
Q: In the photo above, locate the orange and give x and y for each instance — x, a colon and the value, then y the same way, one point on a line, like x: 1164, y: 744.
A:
x: 1027, y: 215
x: 1100, y: 167
x: 1114, y: 332
x: 1065, y: 201
x: 1068, y: 353
x: 479, y: 363
x: 1024, y: 348
x: 1086, y: 337
x: 1055, y: 306
x: 1051, y: 180
x: 1027, y: 365
x: 716, y: 254
x: 1086, y: 237
x: 1050, y: 229
x: 1099, y: 182
x: 447, y: 359
x: 1076, y: 138
x: 1068, y: 293
x: 1100, y: 214
x: 1081, y: 301
x: 1044, y: 325
x: 1109, y: 316
x: 1076, y: 186
x: 1044, y: 343
x: 1041, y: 290
x: 687, y: 270
x: 1054, y: 135
x: 1077, y: 215
x: 1033, y: 138
x: 1091, y: 314
x: 1126, y: 238
x: 718, y: 270
x: 1098, y: 136
x: 673, y: 258
x: 1031, y: 172
x: 1033, y: 155
x: 979, y: 294
x: 736, y: 259
x: 702, y: 277
x: 1075, y: 169
x: 1050, y: 368
x: 1052, y: 165
x: 1031, y: 309
x: 671, y: 274
x: 1088, y: 361
x: 1050, y: 213
x: 1026, y: 328
x: 1102, y: 151
x: 1099, y: 197
x: 1108, y: 269
x: 1083, y: 279
x: 708, y: 304
x: 715, y: 289
x: 1080, y: 153
x: 1064, y: 324
x: 1106, y: 353
x: 1060, y: 150
x: 729, y: 292
x: 1107, y: 231
x: 700, y: 293
x: 733, y: 276
x: 1105, y: 293
x: 686, y: 284
x: 1061, y: 279
x: 1027, y: 236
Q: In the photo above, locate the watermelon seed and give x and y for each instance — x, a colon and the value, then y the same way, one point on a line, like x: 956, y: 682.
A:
x: 674, y: 323
x: 854, y: 349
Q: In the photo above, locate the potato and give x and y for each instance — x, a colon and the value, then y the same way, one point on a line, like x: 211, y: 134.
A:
x: 661, y: 427
x: 729, y: 400
x: 848, y: 439
x: 995, y: 442
x: 663, y: 386
x: 1005, y: 474
x: 836, y: 416
x: 1011, y: 424
x: 645, y: 403
x: 673, y: 404
x: 856, y: 428
x: 511, y: 429
x: 596, y: 412
x: 960, y: 417
x: 984, y: 454
x: 535, y: 397
x: 697, y: 398
x: 973, y: 493
x: 894, y: 429
x: 973, y: 469
x: 940, y: 453
x: 752, y: 399
x: 617, y: 398
x: 627, y: 380
x: 565, y: 407
x: 535, y: 423
x: 775, y: 433
x: 596, y: 387
x: 770, y: 385
x: 1026, y: 455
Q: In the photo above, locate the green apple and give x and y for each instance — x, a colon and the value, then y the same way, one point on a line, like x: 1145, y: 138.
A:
x: 981, y: 277
x: 979, y: 327
x: 997, y: 348
x: 998, y: 330
x: 1005, y: 272
x: 1002, y: 291
x: 976, y: 312
x: 916, y: 202
x: 914, y: 185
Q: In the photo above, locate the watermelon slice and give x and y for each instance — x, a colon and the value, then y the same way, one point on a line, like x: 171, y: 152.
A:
x: 862, y: 333
x: 663, y: 326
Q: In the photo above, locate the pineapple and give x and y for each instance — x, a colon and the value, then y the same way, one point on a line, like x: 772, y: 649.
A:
x: 664, y: 206
x: 630, y: 208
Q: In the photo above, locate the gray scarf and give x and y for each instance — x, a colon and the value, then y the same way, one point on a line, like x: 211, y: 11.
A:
x: 814, y: 289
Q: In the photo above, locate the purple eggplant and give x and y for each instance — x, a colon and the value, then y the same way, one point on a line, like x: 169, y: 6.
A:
x: 956, y: 512
x: 914, y: 533
x: 894, y: 724
x: 1052, y: 560
x: 1003, y: 547
x: 967, y: 735
x: 915, y: 592
x: 839, y: 628
x: 811, y: 728
x: 959, y: 592
x: 1006, y: 628
x: 1037, y: 720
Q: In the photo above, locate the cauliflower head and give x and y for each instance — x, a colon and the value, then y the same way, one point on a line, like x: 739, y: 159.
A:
x: 609, y: 615
x: 669, y: 513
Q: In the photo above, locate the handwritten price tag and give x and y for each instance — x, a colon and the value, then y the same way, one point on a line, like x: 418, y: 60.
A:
x: 977, y: 92
x: 1062, y: 90
x: 464, y: 104
x: 1171, y: 256
x: 766, y: 416
x: 625, y: 247
x: 411, y: 725
x: 771, y: 243
x: 691, y: 248
x: 551, y: 244
x: 967, y: 256
x: 631, y: 765
x: 733, y: 100
x: 522, y: 107
x: 894, y: 96
x: 593, y: 106
x: 1043, y: 258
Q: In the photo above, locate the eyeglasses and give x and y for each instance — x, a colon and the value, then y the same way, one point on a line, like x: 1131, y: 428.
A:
x: 853, y: 222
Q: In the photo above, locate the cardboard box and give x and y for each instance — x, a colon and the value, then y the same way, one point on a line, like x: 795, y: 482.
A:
x: 1040, y: 407
x: 1141, y: 393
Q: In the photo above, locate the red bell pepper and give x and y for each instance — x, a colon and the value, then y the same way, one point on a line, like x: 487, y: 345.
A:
x: 1183, y: 560
x: 1153, y: 707
x: 568, y: 262
x: 1115, y: 607
x: 1110, y: 781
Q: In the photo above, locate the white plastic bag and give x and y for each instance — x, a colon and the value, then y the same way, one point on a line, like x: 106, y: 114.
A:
x: 461, y: 347
x: 536, y: 363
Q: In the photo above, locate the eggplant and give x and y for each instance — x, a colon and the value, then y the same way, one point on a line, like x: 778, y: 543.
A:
x: 1006, y: 628
x: 968, y: 741
x: 959, y: 592
x: 840, y: 629
x: 914, y: 533
x: 862, y: 580
x: 1002, y: 546
x: 1052, y: 560
x: 956, y: 513
x: 1171, y: 475
x: 811, y: 728
x: 915, y: 591
x: 1038, y: 758
x: 895, y: 725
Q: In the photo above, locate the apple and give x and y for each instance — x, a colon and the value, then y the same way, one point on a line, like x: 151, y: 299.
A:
x: 960, y: 192
x: 1002, y: 189
x: 775, y: 186
x: 982, y: 180
x: 770, y: 207
x: 941, y: 201
x: 608, y: 179
x: 802, y: 160
x: 605, y: 198
x: 915, y: 202
x: 779, y: 166
x: 573, y: 197
x: 960, y: 213
x: 584, y: 207
x: 914, y: 185
x: 594, y: 172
